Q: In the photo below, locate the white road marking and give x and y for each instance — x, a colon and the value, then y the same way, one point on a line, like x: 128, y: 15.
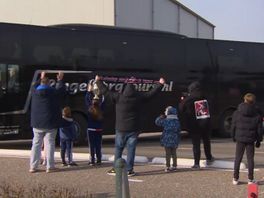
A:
x: 135, y: 180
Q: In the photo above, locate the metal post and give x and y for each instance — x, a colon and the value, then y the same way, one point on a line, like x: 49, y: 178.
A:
x: 122, y: 185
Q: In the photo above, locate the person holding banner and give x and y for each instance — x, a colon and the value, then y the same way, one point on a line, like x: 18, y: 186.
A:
x: 195, y: 118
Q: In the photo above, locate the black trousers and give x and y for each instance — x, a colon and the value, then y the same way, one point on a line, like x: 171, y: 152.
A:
x: 250, y: 151
x: 171, y: 153
x: 196, y: 141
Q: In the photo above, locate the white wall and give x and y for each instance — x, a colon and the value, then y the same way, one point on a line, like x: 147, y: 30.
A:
x: 48, y: 12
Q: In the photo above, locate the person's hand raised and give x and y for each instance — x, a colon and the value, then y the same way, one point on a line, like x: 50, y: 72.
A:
x: 89, y: 87
x: 42, y: 75
x: 162, y: 81
x: 97, y: 78
x: 60, y: 75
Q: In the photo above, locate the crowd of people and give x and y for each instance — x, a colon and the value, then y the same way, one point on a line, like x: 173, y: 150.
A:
x: 48, y: 117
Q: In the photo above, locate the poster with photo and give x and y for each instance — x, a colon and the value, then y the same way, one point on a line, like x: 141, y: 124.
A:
x: 201, y: 109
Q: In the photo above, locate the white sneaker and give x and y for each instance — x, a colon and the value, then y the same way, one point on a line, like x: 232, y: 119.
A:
x: 235, y: 181
x: 174, y: 168
x: 167, y: 169
x: 252, y: 182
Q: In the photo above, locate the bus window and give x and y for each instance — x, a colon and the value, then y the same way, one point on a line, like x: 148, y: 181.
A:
x: 48, y: 54
x: 82, y: 57
x: 105, y: 55
x: 13, y: 81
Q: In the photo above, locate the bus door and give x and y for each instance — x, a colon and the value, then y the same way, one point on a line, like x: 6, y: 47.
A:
x: 10, y: 99
x: 10, y: 88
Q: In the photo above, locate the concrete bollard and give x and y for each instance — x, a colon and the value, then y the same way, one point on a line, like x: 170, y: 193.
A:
x: 122, y: 185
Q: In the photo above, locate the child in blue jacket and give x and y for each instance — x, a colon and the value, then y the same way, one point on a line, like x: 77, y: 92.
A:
x: 68, y: 134
x: 170, y: 136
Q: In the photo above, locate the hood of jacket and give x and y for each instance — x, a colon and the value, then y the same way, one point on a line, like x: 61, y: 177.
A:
x: 247, y: 109
x: 170, y: 111
x: 129, y: 90
x: 194, y: 89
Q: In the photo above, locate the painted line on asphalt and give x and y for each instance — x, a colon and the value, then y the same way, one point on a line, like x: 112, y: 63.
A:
x: 208, y: 168
x: 228, y: 170
x: 135, y: 180
x: 259, y: 152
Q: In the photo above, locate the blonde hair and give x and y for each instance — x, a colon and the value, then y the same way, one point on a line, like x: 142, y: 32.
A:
x: 95, y: 111
x: 66, y: 112
x: 249, y: 98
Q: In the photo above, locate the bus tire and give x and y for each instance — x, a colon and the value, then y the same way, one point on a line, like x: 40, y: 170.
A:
x: 225, y: 122
x: 81, y: 126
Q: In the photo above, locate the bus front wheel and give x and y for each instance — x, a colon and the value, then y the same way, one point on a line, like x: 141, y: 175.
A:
x: 81, y: 126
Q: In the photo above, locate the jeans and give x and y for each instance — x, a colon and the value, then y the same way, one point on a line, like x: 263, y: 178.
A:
x: 128, y: 139
x: 66, y: 147
x: 48, y: 135
x: 95, y: 143
x: 250, y: 151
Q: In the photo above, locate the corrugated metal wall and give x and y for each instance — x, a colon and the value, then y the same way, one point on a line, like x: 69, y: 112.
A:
x: 166, y: 15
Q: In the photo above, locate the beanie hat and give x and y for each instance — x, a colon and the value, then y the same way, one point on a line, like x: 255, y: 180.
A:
x: 171, y: 111
x: 194, y: 86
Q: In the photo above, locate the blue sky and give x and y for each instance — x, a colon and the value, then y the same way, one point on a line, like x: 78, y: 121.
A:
x: 241, y: 20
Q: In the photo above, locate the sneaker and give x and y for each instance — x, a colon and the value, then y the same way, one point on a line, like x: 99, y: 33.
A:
x: 63, y: 164
x: 111, y: 172
x: 72, y: 164
x: 167, y: 169
x: 251, y: 181
x: 91, y: 163
x: 174, y: 168
x: 33, y: 170
x: 196, y: 166
x: 210, y: 161
x: 50, y: 170
x: 130, y: 173
x: 235, y: 181
x: 98, y: 163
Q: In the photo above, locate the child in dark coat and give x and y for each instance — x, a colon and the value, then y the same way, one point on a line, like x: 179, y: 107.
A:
x: 170, y: 136
x: 67, y: 135
x: 246, y: 131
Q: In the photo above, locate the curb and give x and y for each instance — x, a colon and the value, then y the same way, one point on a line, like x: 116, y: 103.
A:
x: 138, y: 159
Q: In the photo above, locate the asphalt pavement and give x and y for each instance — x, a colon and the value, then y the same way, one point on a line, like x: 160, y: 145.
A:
x: 150, y: 181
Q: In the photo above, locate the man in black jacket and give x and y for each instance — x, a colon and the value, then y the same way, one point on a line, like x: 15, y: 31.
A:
x: 195, y: 118
x: 246, y: 130
x: 45, y: 119
x: 128, y: 105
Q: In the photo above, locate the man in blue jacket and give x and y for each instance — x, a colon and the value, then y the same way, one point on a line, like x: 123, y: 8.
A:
x: 45, y: 119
